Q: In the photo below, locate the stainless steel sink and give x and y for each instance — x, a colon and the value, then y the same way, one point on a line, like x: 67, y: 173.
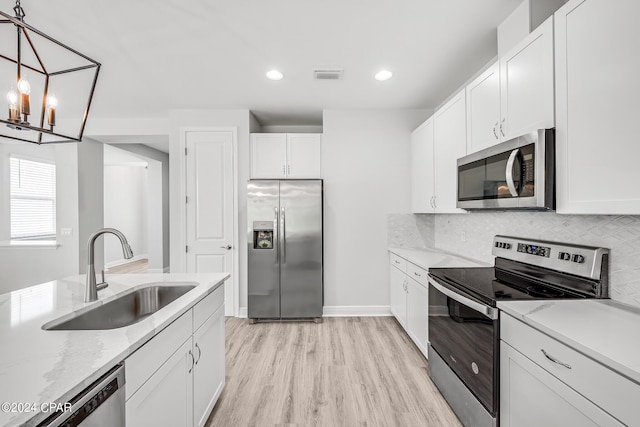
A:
x: 124, y: 310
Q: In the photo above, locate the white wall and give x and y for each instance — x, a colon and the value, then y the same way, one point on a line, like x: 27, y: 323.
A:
x: 125, y: 208
x: 364, y: 161
x: 20, y: 268
x: 161, y: 162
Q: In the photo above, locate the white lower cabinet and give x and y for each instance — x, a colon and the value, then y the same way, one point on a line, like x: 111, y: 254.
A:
x: 409, y: 299
x: 418, y: 313
x: 208, y: 378
x: 165, y: 399
x: 176, y: 378
x: 545, y: 382
x: 398, y: 295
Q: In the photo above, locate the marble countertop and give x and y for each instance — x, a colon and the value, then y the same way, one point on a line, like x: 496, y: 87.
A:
x: 435, y: 258
x: 605, y: 330
x: 40, y: 367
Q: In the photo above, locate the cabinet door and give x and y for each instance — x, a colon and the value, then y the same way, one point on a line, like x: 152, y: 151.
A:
x: 483, y: 110
x: 268, y: 155
x: 418, y: 314
x: 526, y: 88
x: 450, y: 143
x: 166, y: 399
x: 531, y: 396
x: 398, y: 295
x: 422, y: 178
x: 597, y: 107
x: 208, y: 378
x: 303, y: 155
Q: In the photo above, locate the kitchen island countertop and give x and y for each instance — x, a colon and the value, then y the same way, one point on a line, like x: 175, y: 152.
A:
x: 39, y: 367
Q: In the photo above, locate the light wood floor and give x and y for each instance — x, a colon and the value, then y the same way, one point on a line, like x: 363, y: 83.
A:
x: 138, y: 266
x: 343, y: 372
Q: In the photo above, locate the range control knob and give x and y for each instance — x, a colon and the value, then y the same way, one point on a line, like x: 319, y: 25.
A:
x: 507, y: 245
x: 565, y: 256
x: 577, y: 258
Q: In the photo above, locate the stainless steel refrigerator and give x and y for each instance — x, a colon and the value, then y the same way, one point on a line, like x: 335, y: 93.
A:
x: 285, y: 249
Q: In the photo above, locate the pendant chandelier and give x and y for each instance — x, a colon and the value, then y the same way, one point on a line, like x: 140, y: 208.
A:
x: 49, y: 86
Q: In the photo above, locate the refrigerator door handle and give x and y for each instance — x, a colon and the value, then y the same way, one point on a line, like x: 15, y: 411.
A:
x: 276, y: 221
x: 284, y: 237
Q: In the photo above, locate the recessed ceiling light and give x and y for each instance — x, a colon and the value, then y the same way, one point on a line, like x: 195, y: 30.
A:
x: 274, y: 75
x: 384, y: 75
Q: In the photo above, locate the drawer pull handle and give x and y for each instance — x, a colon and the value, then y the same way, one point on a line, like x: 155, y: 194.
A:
x: 397, y: 262
x: 554, y: 360
x: 419, y: 275
x: 193, y: 361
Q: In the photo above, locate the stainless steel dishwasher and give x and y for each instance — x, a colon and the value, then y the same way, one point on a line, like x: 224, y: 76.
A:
x: 100, y: 405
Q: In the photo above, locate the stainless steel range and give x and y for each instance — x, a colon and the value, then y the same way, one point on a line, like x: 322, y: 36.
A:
x: 464, y: 329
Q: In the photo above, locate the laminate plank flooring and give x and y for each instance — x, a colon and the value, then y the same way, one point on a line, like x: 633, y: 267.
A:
x: 138, y: 266
x: 357, y: 371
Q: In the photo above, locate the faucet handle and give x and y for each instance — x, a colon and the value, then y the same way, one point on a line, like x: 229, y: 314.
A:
x: 103, y: 284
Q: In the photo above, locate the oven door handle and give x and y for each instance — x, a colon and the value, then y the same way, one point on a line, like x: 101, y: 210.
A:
x: 490, y: 312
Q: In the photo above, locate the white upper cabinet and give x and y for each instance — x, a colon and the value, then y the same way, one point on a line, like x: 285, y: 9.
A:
x: 285, y: 156
x: 450, y: 143
x: 422, y: 178
x: 483, y: 110
x: 597, y: 69
x: 268, y: 155
x: 526, y: 88
x: 303, y: 155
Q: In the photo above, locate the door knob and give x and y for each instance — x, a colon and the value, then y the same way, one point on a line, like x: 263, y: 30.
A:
x: 228, y: 247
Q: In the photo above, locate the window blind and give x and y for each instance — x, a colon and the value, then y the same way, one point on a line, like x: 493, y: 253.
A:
x: 33, y: 199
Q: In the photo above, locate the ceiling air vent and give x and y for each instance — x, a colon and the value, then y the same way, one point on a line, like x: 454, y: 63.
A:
x: 328, y: 74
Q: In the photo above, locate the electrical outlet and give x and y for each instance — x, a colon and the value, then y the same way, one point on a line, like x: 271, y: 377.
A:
x: 66, y: 232
x: 463, y: 236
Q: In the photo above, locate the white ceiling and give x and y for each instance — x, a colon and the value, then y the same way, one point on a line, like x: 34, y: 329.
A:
x: 176, y: 54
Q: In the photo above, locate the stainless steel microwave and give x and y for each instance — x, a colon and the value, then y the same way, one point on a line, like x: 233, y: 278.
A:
x: 515, y: 174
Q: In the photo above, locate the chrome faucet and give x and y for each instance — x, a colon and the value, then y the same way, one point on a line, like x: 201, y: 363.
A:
x: 92, y: 288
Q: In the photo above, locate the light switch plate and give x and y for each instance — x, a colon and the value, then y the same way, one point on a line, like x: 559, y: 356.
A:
x: 66, y: 231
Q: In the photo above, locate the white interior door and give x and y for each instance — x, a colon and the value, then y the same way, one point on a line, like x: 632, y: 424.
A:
x: 210, y: 215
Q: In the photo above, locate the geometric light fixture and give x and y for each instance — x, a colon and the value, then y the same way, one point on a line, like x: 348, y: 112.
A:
x: 49, y: 86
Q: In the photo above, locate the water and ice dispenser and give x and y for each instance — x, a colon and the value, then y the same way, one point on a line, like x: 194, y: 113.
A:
x: 262, y: 234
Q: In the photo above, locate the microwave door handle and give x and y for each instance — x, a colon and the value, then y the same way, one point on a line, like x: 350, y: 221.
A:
x: 490, y: 312
x: 509, y: 172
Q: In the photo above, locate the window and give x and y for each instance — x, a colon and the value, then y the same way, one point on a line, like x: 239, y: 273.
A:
x: 33, y: 199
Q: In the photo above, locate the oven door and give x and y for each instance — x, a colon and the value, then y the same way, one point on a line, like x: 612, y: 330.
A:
x: 464, y: 333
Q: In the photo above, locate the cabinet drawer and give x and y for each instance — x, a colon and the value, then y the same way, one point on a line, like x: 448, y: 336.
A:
x: 141, y: 365
x: 607, y: 389
x: 207, y: 306
x: 418, y: 274
x: 397, y: 262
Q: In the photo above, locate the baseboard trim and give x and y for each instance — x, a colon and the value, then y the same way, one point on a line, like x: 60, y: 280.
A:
x: 344, y: 311
x: 356, y: 311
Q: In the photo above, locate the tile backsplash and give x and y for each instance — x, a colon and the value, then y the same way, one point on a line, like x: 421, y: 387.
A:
x: 471, y: 235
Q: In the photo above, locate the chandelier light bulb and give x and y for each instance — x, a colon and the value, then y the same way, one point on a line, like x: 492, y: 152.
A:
x: 12, y: 97
x: 24, y: 87
x: 52, y: 101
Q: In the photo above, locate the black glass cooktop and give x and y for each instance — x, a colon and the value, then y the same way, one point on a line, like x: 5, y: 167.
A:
x: 490, y: 284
